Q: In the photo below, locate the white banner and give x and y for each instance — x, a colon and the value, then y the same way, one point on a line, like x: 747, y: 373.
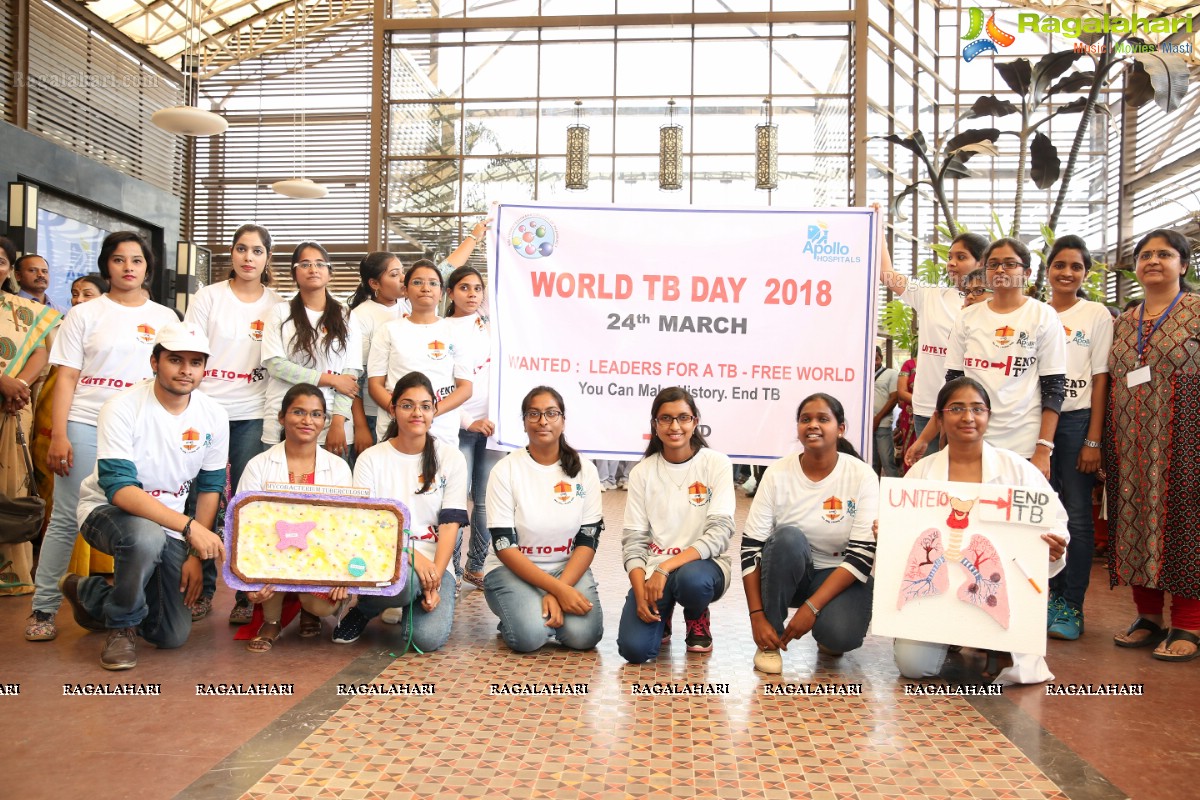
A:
x: 749, y: 310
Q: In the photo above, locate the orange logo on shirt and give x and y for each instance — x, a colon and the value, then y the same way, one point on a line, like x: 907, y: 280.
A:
x: 191, y: 440
x: 145, y: 333
x: 563, y: 493
x: 437, y: 350
x: 699, y: 494
x: 1004, y: 336
x: 833, y: 510
x: 256, y: 330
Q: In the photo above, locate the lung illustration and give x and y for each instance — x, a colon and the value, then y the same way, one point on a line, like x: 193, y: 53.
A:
x: 926, y: 574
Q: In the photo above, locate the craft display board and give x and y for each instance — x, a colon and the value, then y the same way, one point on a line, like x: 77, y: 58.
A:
x: 963, y: 563
x: 312, y: 541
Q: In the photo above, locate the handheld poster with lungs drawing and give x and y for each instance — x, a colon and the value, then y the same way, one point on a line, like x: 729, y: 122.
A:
x: 946, y: 565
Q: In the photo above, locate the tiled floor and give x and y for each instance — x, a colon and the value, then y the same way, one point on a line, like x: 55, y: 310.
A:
x: 464, y: 741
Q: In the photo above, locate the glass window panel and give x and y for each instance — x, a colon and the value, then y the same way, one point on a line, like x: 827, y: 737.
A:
x: 488, y: 179
x: 636, y: 182
x: 725, y: 124
x: 653, y: 6
x: 812, y: 182
x: 638, y: 121
x: 423, y: 185
x: 503, y: 8
x: 810, y: 66
x: 725, y: 181
x: 551, y: 177
x: 650, y: 68
x: 669, y: 33
x: 732, y: 31
x: 797, y: 121
x: 708, y: 6
x: 415, y: 236
x: 424, y: 129
x: 807, y: 5
x: 731, y: 67
x: 501, y: 35
x: 425, y: 72
x: 552, y: 8
x: 557, y: 115
x: 500, y: 70
x: 572, y: 34
x: 498, y: 128
x: 577, y: 69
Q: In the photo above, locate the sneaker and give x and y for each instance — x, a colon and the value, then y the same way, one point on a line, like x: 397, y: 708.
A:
x: 351, y: 627
x: 750, y: 486
x: 120, y: 651
x: 1069, y: 624
x: 666, y: 637
x: 241, y: 614
x: 201, y: 608
x: 69, y: 586
x: 1054, y: 610
x: 392, y: 616
x: 768, y: 661
x: 622, y: 484
x: 41, y: 627
x: 699, y: 634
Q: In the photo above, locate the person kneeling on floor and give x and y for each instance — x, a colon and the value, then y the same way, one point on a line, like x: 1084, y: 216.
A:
x: 153, y: 441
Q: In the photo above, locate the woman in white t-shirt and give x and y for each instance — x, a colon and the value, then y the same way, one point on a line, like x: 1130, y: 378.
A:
x: 233, y: 314
x: 295, y: 460
x: 936, y: 308
x: 678, y: 522
x: 102, y: 347
x: 1014, y: 346
x: 1088, y: 329
x: 473, y: 334
x: 430, y: 478
x: 808, y: 544
x: 378, y: 300
x: 545, y: 517
x: 311, y: 339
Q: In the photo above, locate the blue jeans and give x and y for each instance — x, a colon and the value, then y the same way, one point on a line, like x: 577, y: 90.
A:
x: 519, y: 607
x: 694, y: 586
x: 885, y: 453
x: 147, y: 569
x: 788, y: 579
x: 59, y: 541
x: 245, y: 442
x: 480, y: 461
x: 1075, y: 491
x: 429, y: 629
x: 919, y: 424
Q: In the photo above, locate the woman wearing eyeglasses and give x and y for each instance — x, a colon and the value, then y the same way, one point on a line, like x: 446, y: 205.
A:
x: 1151, y: 438
x: 678, y: 522
x: 295, y: 460
x: 311, y: 339
x: 430, y: 478
x: 1013, y: 345
x: 545, y: 517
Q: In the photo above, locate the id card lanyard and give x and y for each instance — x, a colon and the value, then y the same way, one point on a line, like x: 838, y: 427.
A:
x: 1142, y: 373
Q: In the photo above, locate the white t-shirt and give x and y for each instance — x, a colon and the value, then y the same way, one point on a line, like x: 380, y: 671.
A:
x: 168, y: 451
x: 389, y: 473
x: 277, y: 341
x: 672, y: 502
x: 1089, y: 333
x: 110, y: 344
x: 270, y: 466
x: 402, y: 346
x: 370, y: 315
x: 1007, y: 353
x: 885, y: 384
x: 235, y: 376
x: 472, y: 333
x: 936, y: 307
x: 835, y: 513
x: 544, y: 505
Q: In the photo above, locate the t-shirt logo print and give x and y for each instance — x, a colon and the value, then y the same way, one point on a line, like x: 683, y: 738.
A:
x: 437, y: 350
x: 145, y: 333
x: 1004, y: 336
x: 833, y: 510
x: 256, y: 330
x: 190, y: 441
x: 564, y: 493
x: 699, y: 494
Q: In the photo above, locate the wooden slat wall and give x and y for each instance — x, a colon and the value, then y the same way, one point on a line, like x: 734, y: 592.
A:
x: 8, y: 61
x: 93, y: 98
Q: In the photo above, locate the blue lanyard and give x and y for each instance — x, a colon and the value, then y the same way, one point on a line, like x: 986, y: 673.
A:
x: 1143, y: 341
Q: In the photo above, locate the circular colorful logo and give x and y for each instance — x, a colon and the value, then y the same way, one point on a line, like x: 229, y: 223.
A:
x: 357, y: 567
x: 534, y: 237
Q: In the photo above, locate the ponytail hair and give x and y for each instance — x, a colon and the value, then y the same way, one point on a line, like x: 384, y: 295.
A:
x: 333, y: 319
x: 370, y: 268
x: 673, y: 394
x: 429, y: 461
x: 568, y: 457
x: 457, y: 277
x: 839, y: 414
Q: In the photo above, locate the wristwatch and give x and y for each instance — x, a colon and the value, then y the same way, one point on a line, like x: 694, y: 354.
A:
x: 1090, y: 443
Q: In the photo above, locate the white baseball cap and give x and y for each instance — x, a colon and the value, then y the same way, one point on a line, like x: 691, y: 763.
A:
x: 183, y: 336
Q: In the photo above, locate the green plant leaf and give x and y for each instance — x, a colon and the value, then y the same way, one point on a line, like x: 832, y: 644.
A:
x: 897, y: 319
x: 896, y: 210
x: 1017, y: 74
x: 1138, y: 88
x: 1075, y: 82
x: 1044, y: 164
x: 972, y: 136
x: 1168, y: 77
x: 1048, y: 68
x: 1047, y: 236
x: 913, y: 144
x: 989, y: 106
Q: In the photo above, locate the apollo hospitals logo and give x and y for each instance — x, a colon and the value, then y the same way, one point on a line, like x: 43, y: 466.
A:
x: 699, y: 494
x: 820, y: 247
x: 983, y: 37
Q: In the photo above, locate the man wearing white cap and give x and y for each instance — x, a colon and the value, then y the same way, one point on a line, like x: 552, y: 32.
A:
x: 153, y: 441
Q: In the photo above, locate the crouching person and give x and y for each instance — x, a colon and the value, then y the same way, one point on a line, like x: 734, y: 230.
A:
x: 153, y: 441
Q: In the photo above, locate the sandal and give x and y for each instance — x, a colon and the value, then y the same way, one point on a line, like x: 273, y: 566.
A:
x: 201, y: 608
x: 474, y: 578
x: 263, y: 642
x: 1178, y: 635
x: 310, y: 625
x: 1156, y: 635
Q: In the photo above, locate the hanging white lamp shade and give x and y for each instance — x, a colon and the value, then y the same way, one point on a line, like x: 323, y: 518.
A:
x: 189, y: 121
x: 300, y: 188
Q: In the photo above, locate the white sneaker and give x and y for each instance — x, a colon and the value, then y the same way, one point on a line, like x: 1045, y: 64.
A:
x: 750, y: 486
x: 768, y: 661
x: 392, y: 616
